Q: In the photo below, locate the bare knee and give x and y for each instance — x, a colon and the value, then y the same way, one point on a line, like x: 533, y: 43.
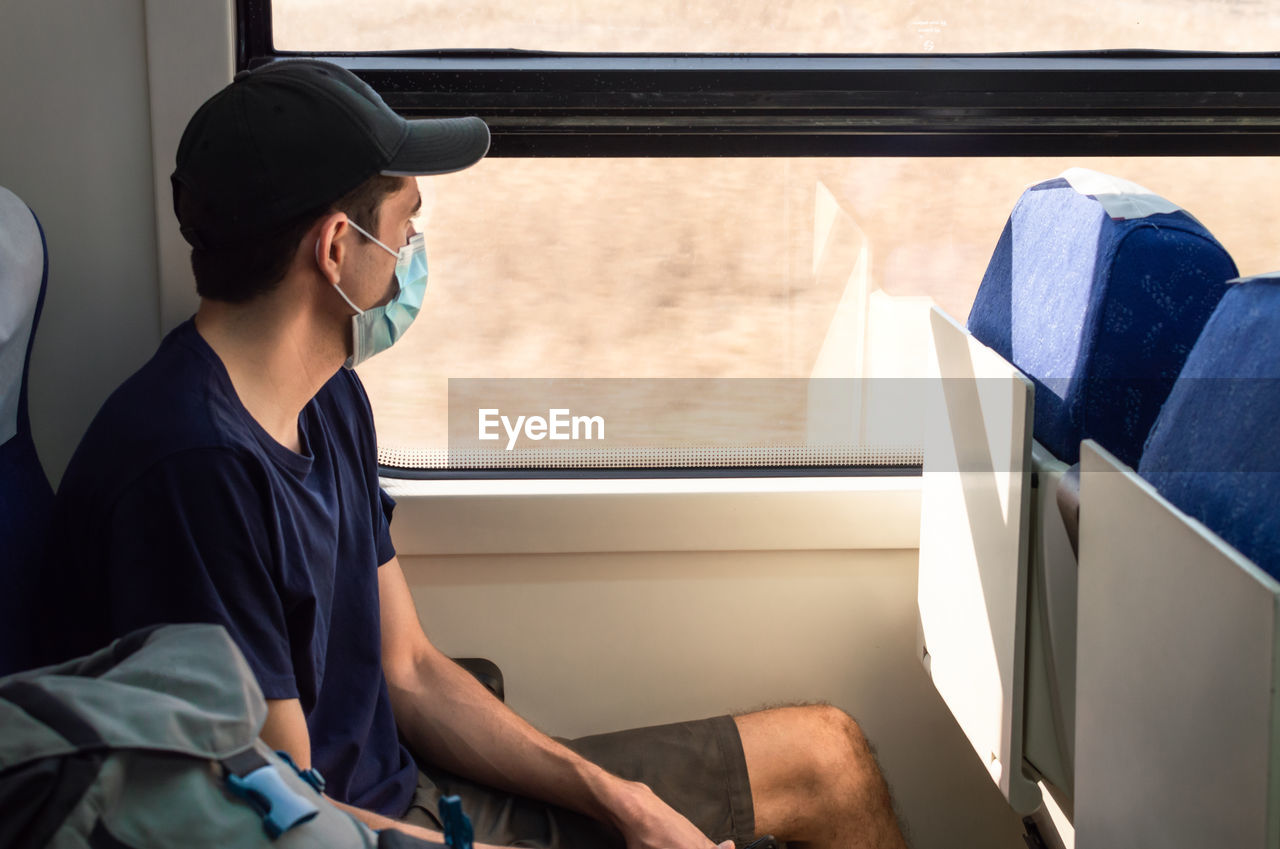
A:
x: 840, y: 750
x: 815, y: 779
x: 825, y: 749
x: 848, y: 792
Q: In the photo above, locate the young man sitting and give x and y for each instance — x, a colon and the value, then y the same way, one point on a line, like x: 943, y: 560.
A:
x: 233, y: 479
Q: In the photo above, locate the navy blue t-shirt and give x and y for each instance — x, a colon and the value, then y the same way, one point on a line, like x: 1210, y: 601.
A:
x: 179, y: 507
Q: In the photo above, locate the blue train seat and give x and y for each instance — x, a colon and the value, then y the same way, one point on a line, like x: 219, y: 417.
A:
x: 26, y: 498
x: 1213, y: 451
x: 1097, y: 291
x: 1179, y: 565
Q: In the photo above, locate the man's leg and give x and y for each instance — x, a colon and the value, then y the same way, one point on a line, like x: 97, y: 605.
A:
x: 815, y: 782
x: 697, y: 767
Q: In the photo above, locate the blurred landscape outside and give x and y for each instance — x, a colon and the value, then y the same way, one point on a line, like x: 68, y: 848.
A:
x: 734, y: 268
x: 769, y: 26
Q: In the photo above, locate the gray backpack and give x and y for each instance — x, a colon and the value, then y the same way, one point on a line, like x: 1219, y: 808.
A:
x: 153, y: 742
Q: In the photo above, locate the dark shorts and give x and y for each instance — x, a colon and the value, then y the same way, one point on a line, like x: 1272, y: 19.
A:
x: 696, y: 767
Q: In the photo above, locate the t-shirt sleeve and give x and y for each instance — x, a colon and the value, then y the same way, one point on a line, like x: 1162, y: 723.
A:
x: 189, y: 542
x: 382, y: 517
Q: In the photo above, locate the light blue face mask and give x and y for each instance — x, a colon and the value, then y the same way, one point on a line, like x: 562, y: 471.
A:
x: 378, y: 328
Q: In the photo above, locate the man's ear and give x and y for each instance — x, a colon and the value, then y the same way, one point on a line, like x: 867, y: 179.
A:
x: 330, y: 246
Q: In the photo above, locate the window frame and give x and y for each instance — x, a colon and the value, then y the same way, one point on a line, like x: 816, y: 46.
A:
x: 540, y: 104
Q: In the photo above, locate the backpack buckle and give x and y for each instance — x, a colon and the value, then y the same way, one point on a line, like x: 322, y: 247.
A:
x: 311, y: 775
x: 279, y: 806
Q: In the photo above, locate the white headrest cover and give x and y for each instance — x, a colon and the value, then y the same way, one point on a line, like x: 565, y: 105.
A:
x: 1121, y: 199
x: 21, y: 271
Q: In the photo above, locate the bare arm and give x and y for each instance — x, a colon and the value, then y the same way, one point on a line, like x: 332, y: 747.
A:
x: 450, y: 718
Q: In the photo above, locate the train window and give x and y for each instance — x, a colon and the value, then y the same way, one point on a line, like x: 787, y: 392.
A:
x: 763, y: 26
x: 707, y: 208
x: 630, y: 271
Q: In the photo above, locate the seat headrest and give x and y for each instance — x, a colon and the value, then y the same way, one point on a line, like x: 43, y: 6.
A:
x: 22, y: 271
x: 1122, y: 199
x: 1213, y: 450
x: 1097, y: 290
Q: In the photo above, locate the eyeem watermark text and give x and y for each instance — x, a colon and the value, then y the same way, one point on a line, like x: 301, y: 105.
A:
x: 559, y: 424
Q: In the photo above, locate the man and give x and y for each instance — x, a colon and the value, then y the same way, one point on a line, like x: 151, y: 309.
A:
x: 233, y: 479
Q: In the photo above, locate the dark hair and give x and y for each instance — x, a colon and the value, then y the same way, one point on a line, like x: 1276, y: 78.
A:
x: 239, y: 274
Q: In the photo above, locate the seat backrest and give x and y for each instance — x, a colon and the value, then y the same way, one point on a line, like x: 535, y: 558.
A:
x: 26, y: 499
x: 1177, y: 727
x: 974, y: 535
x: 1213, y: 451
x: 1097, y: 290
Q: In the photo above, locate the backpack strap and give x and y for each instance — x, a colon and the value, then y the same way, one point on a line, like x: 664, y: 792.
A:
x: 39, y: 796
x: 101, y: 838
x: 255, y: 779
x: 458, y: 832
x: 48, y: 709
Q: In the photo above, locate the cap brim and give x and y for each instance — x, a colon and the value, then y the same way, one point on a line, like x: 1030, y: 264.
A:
x: 439, y: 146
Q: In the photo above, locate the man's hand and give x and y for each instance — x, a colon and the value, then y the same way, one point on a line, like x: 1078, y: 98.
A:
x: 647, y: 822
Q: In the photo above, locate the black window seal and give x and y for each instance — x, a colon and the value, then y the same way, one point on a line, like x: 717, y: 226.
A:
x: 1111, y: 103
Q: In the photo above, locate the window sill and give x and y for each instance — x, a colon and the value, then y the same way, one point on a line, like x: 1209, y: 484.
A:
x: 452, y: 517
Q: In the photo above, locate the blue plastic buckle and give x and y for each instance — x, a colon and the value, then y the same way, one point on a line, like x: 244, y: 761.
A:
x: 278, y: 805
x: 311, y: 775
x: 458, y: 832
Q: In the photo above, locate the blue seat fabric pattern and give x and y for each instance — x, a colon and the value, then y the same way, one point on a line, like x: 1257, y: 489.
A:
x: 26, y: 503
x: 1214, y: 450
x: 1099, y: 313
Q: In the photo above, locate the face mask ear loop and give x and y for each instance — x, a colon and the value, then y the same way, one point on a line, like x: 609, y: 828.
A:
x: 373, y: 238
x: 337, y: 288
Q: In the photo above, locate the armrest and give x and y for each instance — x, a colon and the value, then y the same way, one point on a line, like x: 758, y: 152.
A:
x: 486, y: 672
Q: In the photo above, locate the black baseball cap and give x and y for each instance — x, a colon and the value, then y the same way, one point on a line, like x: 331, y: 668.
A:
x: 292, y: 137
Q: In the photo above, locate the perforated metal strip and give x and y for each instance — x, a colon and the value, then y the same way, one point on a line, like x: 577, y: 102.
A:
x: 673, y: 457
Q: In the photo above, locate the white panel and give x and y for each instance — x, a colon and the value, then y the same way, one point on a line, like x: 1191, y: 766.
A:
x: 658, y: 514
x: 1176, y: 715
x: 973, y: 547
